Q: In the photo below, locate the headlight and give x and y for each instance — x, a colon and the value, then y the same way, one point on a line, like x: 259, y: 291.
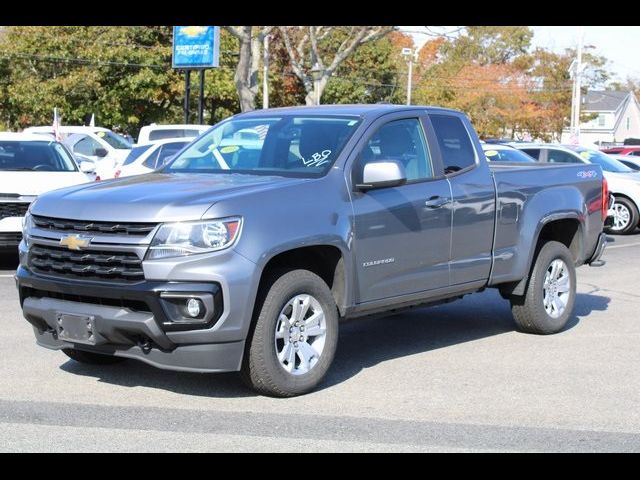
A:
x: 27, y: 223
x: 188, y: 238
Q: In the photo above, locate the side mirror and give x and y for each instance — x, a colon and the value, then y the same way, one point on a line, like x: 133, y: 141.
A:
x: 381, y: 174
x: 101, y: 152
x: 87, y: 167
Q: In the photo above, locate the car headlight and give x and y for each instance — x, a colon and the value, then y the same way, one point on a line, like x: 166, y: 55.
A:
x: 27, y: 223
x: 188, y: 238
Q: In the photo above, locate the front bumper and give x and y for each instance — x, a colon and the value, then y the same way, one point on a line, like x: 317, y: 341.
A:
x: 133, y: 321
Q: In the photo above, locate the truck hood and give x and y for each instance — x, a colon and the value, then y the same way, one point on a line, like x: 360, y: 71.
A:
x: 157, y: 197
x: 30, y: 183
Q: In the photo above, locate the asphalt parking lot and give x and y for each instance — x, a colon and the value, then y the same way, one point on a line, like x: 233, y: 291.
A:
x: 451, y: 378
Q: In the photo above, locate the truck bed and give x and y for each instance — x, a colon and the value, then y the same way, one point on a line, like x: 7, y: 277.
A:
x: 524, y: 194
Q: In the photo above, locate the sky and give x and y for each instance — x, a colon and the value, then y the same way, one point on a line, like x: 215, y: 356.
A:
x: 618, y: 44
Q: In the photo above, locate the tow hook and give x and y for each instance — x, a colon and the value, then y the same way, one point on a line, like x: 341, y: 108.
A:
x: 146, y: 345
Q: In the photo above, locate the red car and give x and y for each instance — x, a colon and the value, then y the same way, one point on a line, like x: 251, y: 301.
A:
x: 626, y: 150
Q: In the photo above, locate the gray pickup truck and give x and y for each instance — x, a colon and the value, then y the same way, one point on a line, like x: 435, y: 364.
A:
x: 245, y: 251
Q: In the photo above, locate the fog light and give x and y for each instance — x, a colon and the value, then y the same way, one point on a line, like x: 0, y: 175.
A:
x: 194, y: 307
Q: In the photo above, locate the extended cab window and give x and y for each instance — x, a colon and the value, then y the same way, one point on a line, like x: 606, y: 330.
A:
x: 403, y: 141
x: 455, y: 144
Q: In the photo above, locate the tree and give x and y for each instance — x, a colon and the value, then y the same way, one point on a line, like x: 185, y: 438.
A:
x: 246, y: 77
x: 320, y: 50
x: 489, y: 45
x: 375, y: 72
x: 122, y: 74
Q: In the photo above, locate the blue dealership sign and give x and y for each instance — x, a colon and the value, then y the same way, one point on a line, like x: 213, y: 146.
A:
x: 196, y: 47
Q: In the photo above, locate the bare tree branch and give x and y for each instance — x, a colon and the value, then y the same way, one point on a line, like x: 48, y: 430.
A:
x: 239, y: 34
x: 310, y: 42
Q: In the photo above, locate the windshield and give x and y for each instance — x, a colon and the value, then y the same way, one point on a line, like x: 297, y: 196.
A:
x: 116, y: 141
x: 507, y: 155
x: 38, y: 156
x: 302, y: 146
x: 607, y: 163
x: 135, y: 154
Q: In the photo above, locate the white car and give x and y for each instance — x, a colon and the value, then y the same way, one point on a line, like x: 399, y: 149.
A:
x: 97, y: 144
x: 149, y: 157
x: 154, y: 132
x: 631, y: 161
x: 624, y: 183
x: 30, y: 165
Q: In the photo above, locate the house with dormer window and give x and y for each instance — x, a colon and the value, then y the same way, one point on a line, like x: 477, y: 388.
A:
x: 615, y: 116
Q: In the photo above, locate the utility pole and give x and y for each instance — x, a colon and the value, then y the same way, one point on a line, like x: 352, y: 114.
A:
x: 265, y: 72
x: 575, y: 99
x: 411, y: 56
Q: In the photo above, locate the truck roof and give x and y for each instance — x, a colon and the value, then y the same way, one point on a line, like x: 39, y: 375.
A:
x: 356, y: 109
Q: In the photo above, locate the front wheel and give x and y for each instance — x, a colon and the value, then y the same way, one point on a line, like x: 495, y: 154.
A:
x: 625, y: 217
x: 294, y: 337
x: 551, y: 294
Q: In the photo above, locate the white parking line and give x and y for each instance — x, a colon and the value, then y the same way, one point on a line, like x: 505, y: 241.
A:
x: 6, y: 276
x: 623, y: 246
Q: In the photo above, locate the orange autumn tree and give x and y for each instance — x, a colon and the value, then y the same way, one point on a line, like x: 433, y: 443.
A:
x: 499, y: 99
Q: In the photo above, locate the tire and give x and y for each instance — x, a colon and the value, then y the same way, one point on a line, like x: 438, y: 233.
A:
x: 529, y: 311
x: 91, y: 358
x: 262, y: 369
x: 626, y: 219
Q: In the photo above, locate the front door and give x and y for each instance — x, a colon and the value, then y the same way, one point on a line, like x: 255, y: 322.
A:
x: 402, y: 234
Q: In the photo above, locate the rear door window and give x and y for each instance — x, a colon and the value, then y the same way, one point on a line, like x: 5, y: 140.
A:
x: 455, y: 145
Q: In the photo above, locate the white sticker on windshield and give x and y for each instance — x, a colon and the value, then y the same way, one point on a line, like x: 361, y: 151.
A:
x: 317, y: 159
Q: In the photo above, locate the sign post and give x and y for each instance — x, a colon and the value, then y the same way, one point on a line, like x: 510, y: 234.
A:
x: 195, y: 48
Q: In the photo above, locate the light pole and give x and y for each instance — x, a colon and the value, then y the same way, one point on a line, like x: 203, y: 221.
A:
x: 577, y: 69
x: 316, y: 72
x: 410, y: 56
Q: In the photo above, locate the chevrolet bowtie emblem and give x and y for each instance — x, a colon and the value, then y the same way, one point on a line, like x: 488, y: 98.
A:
x: 75, y: 242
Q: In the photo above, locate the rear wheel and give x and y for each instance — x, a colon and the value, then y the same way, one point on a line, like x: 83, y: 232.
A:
x: 91, y: 358
x: 294, y: 338
x: 551, y: 294
x: 625, y: 217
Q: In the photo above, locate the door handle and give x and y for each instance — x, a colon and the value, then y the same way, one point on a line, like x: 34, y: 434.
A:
x: 436, y: 202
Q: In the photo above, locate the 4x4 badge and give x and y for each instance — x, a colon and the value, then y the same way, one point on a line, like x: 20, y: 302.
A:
x: 75, y: 242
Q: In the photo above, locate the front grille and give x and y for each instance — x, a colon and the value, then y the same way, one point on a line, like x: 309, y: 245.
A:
x: 135, y: 305
x: 137, y: 229
x: 123, y: 267
x: 13, y: 209
x: 10, y: 239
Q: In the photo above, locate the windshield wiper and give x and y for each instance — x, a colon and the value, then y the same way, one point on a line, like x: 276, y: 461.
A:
x: 21, y: 169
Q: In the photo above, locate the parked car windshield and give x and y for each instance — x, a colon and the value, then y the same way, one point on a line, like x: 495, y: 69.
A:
x: 38, y: 156
x: 302, y: 146
x: 506, y: 155
x: 135, y: 154
x: 116, y: 141
x: 607, y: 163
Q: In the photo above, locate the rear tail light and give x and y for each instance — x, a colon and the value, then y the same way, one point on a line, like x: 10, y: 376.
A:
x: 98, y: 178
x: 605, y: 198
x: 117, y: 174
